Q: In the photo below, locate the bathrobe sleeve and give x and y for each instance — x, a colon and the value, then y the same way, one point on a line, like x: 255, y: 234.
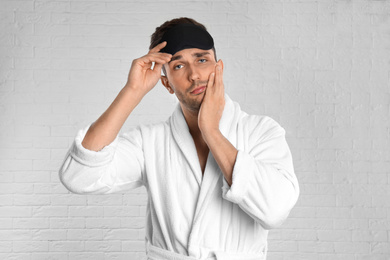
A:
x: 264, y: 184
x: 116, y: 167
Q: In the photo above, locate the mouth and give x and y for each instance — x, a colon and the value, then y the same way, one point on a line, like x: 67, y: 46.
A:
x: 198, y: 90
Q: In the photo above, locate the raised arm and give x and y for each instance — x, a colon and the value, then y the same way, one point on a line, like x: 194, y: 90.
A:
x: 142, y: 78
x: 100, y: 161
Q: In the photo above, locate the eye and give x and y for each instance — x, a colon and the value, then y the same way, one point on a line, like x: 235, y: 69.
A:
x: 178, y: 67
x: 202, y: 60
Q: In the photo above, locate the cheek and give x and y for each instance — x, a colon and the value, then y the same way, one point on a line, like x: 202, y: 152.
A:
x: 210, y: 68
x: 173, y: 78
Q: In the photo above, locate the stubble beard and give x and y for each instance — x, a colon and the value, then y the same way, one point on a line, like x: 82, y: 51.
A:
x: 192, y: 103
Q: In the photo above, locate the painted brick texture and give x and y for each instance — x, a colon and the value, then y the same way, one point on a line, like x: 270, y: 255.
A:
x: 320, y: 68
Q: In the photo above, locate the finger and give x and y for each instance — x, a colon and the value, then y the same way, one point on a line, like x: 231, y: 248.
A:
x: 219, y: 79
x: 165, y: 56
x: 219, y: 75
x: 154, y: 58
x: 158, y: 47
x: 161, y: 57
x: 210, y: 83
x: 157, y: 67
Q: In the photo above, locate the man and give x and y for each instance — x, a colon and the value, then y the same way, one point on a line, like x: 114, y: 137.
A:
x: 217, y: 178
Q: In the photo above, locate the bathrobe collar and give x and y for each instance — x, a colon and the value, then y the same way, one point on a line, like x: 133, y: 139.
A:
x: 185, y: 141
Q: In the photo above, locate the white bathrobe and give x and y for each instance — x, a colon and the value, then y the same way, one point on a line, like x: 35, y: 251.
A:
x: 190, y: 216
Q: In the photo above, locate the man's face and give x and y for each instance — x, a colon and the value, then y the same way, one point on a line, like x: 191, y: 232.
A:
x: 189, y: 70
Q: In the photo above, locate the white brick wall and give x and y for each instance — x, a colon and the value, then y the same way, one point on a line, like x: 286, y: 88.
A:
x: 320, y: 68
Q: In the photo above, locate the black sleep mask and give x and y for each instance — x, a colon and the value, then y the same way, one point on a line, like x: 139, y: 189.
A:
x: 186, y: 36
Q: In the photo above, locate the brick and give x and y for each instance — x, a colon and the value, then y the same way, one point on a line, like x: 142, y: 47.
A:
x: 133, y: 246
x: 369, y: 235
x: 5, y: 246
x: 6, y: 223
x: 89, y: 211
x: 352, y: 247
x: 334, y: 235
x: 49, y: 235
x: 115, y: 234
x: 120, y: 211
x: 133, y: 222
x: 48, y: 255
x: 16, y: 188
x: 105, y: 223
x: 50, y: 211
x: 315, y: 247
x: 17, y: 6
x: 36, y: 176
x: 16, y: 235
x: 329, y: 212
x: 284, y: 246
x: 51, y: 29
x: 127, y: 255
x: 135, y: 200
x: 317, y: 200
x: 6, y: 200
x: 44, y: 6
x: 96, y: 246
x: 66, y: 246
x: 68, y: 199
x: 108, y: 200
x: 30, y: 246
x: 88, y: 256
x: 309, y: 223
x: 30, y: 223
x: 382, y: 248
x: 85, y: 234
x: 88, y: 7
x: 350, y: 223
x: 61, y: 223
x: 14, y: 211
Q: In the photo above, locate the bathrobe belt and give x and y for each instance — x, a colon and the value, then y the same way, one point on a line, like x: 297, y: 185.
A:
x: 156, y: 253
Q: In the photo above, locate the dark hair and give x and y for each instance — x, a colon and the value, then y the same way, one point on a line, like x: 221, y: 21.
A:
x: 159, y: 32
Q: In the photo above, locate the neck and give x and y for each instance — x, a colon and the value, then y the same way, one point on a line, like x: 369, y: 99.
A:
x: 191, y: 117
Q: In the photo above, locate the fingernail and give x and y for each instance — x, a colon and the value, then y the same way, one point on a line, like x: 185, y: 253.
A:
x: 218, y: 67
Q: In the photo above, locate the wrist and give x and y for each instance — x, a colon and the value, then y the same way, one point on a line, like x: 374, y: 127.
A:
x: 137, y: 91
x: 210, y: 133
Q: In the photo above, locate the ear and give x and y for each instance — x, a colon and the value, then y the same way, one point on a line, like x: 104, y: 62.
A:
x: 220, y: 63
x: 165, y: 82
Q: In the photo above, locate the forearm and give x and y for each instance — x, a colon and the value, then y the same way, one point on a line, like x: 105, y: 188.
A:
x: 105, y: 129
x: 223, y: 151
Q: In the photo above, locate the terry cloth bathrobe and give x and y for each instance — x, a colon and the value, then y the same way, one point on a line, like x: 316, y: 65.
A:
x: 189, y: 216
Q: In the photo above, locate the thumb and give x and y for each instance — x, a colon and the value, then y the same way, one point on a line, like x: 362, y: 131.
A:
x: 157, y: 67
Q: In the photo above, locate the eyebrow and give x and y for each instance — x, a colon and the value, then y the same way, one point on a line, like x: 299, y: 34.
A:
x: 197, y: 55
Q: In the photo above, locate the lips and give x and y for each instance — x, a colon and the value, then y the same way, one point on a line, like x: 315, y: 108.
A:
x: 198, y: 90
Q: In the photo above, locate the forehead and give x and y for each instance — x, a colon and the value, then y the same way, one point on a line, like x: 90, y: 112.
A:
x: 192, y: 52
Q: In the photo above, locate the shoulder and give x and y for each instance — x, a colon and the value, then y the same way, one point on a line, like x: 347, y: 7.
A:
x: 261, y: 126
x: 143, y: 131
x: 154, y: 129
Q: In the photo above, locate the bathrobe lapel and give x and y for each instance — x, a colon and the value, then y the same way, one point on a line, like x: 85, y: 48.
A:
x: 213, y: 173
x: 184, y: 140
x: 186, y: 143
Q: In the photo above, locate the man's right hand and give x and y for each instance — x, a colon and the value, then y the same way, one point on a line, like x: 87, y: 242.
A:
x: 141, y: 76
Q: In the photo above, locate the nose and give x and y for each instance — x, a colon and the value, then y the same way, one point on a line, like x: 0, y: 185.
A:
x: 193, y: 73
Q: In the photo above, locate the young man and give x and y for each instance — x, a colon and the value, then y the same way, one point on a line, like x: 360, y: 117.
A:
x: 217, y: 178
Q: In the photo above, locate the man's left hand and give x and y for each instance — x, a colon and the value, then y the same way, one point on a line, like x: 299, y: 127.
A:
x: 213, y: 103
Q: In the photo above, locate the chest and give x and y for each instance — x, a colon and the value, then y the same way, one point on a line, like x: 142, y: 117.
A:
x: 203, y: 159
x: 203, y: 152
